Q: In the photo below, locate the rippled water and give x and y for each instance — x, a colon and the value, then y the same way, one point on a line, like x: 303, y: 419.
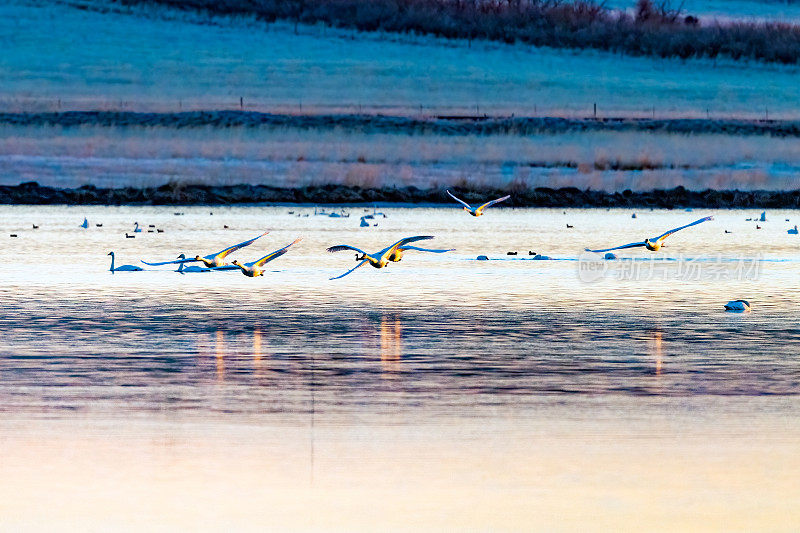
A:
x: 434, y: 332
x: 489, y: 371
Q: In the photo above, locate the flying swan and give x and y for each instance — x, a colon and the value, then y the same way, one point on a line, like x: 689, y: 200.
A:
x: 379, y: 259
x: 212, y: 260
x: 655, y: 244
x: 254, y: 269
x: 477, y: 211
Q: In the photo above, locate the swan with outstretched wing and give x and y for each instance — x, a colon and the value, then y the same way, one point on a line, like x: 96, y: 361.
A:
x: 398, y: 253
x: 477, y: 211
x: 215, y: 260
x: 654, y: 244
x: 379, y: 259
x: 254, y: 268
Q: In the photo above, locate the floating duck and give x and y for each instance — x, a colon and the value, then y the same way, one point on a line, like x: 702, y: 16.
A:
x: 477, y: 211
x: 739, y: 306
x: 633, y: 215
x: 482, y: 258
x: 569, y: 226
x: 122, y: 268
x: 792, y: 231
x: 35, y: 226
x: 654, y: 244
x: 610, y: 256
x: 129, y: 236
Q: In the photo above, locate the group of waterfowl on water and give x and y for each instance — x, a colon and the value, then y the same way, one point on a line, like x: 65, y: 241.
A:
x: 380, y: 259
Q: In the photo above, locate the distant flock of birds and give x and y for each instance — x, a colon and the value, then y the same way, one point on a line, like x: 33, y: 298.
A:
x: 380, y: 259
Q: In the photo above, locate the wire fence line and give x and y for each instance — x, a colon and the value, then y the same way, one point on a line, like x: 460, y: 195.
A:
x: 581, y: 110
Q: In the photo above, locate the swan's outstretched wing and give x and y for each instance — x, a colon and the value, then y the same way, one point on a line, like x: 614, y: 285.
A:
x: 490, y: 204
x: 390, y: 249
x: 670, y: 232
x: 462, y: 202
x: 343, y: 247
x: 624, y: 246
x: 230, y: 249
x: 355, y: 267
x: 274, y: 255
x: 173, y: 262
x: 426, y: 249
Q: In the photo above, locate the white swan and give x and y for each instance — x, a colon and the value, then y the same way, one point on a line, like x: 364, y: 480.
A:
x: 792, y: 231
x: 253, y: 268
x: 183, y: 269
x: 655, y: 244
x: 477, y: 211
x: 84, y: 224
x: 122, y: 268
x: 212, y: 260
x: 136, y: 228
x: 379, y: 259
x: 740, y: 306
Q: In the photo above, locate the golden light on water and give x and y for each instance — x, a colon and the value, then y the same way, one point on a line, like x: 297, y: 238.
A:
x: 219, y: 355
x: 391, y: 345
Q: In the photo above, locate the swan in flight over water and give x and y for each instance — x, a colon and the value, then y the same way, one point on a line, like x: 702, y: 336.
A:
x: 397, y: 255
x: 380, y: 259
x: 477, y: 211
x: 212, y: 260
x: 741, y: 306
x: 122, y: 268
x: 254, y: 269
x: 654, y: 244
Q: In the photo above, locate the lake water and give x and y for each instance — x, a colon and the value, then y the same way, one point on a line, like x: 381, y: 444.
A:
x: 439, y: 392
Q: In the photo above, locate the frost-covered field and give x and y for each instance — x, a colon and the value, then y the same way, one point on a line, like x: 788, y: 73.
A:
x: 290, y: 157
x: 730, y: 9
x: 87, y: 59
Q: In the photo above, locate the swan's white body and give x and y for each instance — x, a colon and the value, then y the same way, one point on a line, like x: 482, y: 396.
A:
x: 477, y: 211
x: 85, y: 223
x: 183, y: 269
x: 122, y: 268
x: 792, y: 231
x: 136, y: 228
x: 215, y: 260
x: 254, y: 268
x: 654, y: 244
x: 381, y: 258
x: 740, y: 306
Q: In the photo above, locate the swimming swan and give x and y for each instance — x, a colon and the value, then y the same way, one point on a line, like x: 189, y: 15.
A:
x: 254, y: 269
x: 651, y: 244
x: 477, y: 211
x: 212, y: 260
x: 122, y: 268
x: 378, y: 260
x: 183, y: 269
x: 136, y: 228
x: 741, y: 306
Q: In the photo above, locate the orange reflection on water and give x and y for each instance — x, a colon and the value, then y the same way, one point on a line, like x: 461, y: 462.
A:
x: 219, y: 354
x: 258, y: 364
x: 657, y: 351
x: 391, y: 345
